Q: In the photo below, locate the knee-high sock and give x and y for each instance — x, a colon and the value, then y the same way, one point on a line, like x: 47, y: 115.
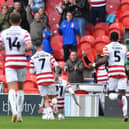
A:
x: 20, y: 101
x: 12, y: 100
x: 125, y: 106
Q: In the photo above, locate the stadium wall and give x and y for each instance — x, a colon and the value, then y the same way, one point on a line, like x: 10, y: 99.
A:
x: 89, y: 104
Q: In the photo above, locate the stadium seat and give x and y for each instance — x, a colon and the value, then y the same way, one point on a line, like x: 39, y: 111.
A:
x: 89, y: 28
x: 57, y: 47
x: 124, y: 6
x: 117, y: 27
x: 125, y: 19
x: 100, y: 29
x: 30, y: 87
x: 61, y: 64
x: 54, y: 17
x: 89, y: 39
x: 86, y: 44
x: 113, y: 1
x: 112, y: 6
x: 101, y: 41
x: 81, y: 92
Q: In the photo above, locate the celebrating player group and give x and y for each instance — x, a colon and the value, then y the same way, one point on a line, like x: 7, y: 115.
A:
x: 16, y: 41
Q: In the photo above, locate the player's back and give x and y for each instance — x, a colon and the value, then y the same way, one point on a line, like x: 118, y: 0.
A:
x: 14, y: 40
x: 42, y: 62
x: 117, y: 53
x: 62, y: 86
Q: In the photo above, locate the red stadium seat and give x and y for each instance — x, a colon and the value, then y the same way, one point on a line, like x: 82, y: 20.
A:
x: 30, y: 85
x: 125, y: 19
x: 124, y: 6
x: 89, y: 39
x: 86, y: 44
x: 100, y: 43
x: 61, y: 64
x: 56, y: 44
x: 81, y: 92
x: 117, y: 27
x: 89, y: 28
x: 100, y: 29
x: 111, y: 7
x: 113, y: 1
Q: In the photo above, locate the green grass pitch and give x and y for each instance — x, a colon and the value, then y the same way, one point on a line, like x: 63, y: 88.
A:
x: 32, y: 122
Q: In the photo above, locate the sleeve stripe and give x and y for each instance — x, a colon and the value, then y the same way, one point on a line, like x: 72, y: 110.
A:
x: 105, y: 51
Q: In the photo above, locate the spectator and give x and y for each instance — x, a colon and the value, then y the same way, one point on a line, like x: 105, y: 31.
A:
x: 18, y: 8
x: 69, y: 29
x: 97, y: 10
x: 81, y: 14
x: 36, y: 26
x: 4, y: 17
x: 65, y: 6
x: 43, y: 16
x: 23, y: 2
x: 36, y: 4
x: 46, y: 41
x: 75, y: 67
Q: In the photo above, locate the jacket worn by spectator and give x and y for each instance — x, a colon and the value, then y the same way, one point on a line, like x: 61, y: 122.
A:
x: 75, y: 76
x: 45, y: 19
x: 69, y: 34
x: 46, y: 41
x: 36, y: 27
x: 81, y: 9
x: 4, y: 22
x: 67, y: 7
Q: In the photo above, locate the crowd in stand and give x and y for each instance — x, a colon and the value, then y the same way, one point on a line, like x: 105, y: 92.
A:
x: 74, y: 15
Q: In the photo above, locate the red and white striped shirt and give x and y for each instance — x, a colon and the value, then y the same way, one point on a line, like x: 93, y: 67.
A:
x: 117, y: 54
x: 97, y: 3
x: 41, y: 64
x: 102, y: 75
x: 62, y: 86
x: 14, y: 39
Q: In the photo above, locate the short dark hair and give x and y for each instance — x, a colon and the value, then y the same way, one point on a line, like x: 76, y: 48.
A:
x: 38, y: 43
x: 15, y: 17
x: 69, y: 11
x: 17, y: 1
x: 114, y: 36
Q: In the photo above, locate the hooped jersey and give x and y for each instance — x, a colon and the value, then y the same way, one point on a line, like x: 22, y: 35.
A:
x: 41, y: 65
x: 117, y: 54
x: 14, y: 40
x: 102, y: 75
x: 62, y: 86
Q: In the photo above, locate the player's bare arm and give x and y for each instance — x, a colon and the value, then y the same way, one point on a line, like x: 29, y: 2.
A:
x: 28, y: 47
x: 75, y: 100
x: 99, y: 62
